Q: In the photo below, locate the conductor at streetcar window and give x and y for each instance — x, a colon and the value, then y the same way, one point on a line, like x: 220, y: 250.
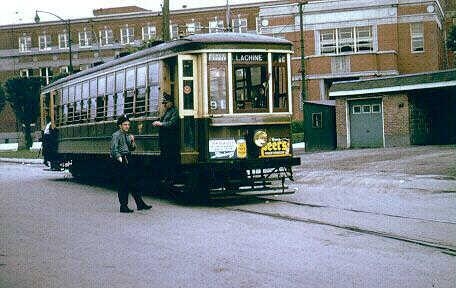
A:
x: 169, y: 138
x: 122, y: 144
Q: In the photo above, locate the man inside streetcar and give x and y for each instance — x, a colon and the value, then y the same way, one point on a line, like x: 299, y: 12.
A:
x: 169, y: 138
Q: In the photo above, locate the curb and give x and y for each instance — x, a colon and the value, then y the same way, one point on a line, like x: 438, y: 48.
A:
x: 22, y: 161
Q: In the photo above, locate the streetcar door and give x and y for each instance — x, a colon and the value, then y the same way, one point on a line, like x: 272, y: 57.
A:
x: 188, y: 97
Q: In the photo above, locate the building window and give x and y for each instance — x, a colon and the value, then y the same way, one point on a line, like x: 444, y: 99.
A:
x: 46, y: 73
x: 44, y: 42
x: 193, y: 27
x: 25, y: 43
x: 127, y: 35
x: 240, y: 25
x: 346, y: 40
x: 63, y: 40
x: 25, y: 73
x: 216, y: 26
x: 357, y: 109
x: 149, y: 33
x: 106, y: 37
x: 366, y: 108
x: 174, y: 31
x: 85, y: 39
x: 317, y: 120
x: 375, y: 108
x: 64, y: 70
x: 417, y: 37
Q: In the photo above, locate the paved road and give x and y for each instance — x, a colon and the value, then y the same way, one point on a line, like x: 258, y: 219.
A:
x: 57, y: 232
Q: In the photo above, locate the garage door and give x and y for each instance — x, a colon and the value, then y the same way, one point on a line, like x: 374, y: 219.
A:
x: 366, y: 124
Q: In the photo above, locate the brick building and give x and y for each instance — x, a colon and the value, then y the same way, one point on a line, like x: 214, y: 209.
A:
x: 344, y: 40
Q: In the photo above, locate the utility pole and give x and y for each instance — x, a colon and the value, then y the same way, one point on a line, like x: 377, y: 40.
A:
x: 165, y: 13
x: 303, y: 63
x: 228, y: 17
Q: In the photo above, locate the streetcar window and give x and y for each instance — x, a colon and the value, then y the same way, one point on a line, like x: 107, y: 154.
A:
x: 93, y: 99
x: 140, y: 105
x: 130, y: 83
x: 250, y: 82
x: 154, y: 87
x: 129, y: 86
x: 77, y: 99
x: 100, y: 97
x: 85, y: 97
x: 65, y: 104
x: 110, y: 92
x: 120, y: 81
x: 71, y: 104
x: 279, y: 82
x: 217, y: 74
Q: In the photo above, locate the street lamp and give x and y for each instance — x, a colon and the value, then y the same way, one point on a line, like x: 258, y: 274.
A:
x: 67, y: 22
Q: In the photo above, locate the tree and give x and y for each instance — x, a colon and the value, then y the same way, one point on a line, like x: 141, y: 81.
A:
x: 24, y: 96
x: 451, y: 41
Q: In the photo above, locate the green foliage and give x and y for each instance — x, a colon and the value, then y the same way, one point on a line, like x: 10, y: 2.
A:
x: 24, y: 96
x: 2, y: 98
x: 451, y: 41
x: 297, y: 126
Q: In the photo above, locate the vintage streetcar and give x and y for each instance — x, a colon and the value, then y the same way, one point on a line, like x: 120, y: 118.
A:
x: 233, y: 94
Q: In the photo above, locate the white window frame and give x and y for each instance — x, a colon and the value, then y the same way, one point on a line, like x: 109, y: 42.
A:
x: 174, y: 31
x: 24, y: 73
x: 366, y: 106
x: 216, y: 26
x: 46, y: 76
x: 44, y: 42
x: 149, y: 32
x: 25, y: 43
x: 417, y: 35
x: 64, y: 69
x: 193, y: 27
x: 360, y: 109
x: 330, y: 40
x: 85, y: 37
x: 63, y: 43
x: 376, y: 105
x: 242, y: 25
x: 106, y: 37
x: 129, y: 34
x: 318, y: 124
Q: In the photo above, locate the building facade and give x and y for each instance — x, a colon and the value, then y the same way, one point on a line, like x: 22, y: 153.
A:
x: 343, y: 40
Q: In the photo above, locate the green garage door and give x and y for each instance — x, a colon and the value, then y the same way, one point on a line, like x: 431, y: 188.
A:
x: 366, y: 124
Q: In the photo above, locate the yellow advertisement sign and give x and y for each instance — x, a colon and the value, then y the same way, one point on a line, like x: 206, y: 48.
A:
x: 275, y: 148
x: 241, y: 149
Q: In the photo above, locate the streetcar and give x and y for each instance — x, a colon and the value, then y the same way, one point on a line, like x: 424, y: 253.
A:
x: 233, y: 95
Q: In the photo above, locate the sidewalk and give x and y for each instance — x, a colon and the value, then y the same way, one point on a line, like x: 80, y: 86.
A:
x: 22, y: 161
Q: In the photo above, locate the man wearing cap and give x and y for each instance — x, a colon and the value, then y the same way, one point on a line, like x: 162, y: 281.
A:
x: 169, y: 137
x: 122, y: 144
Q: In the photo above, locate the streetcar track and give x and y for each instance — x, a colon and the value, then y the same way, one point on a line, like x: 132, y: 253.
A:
x: 447, y: 249
x: 359, y: 211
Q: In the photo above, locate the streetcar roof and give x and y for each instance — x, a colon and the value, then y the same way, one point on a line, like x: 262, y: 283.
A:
x: 191, y: 42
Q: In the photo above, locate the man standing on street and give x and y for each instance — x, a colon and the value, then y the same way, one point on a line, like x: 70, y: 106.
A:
x: 169, y: 138
x: 122, y: 144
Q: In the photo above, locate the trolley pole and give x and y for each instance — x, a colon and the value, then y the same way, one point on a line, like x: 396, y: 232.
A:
x: 165, y: 13
x: 303, y: 63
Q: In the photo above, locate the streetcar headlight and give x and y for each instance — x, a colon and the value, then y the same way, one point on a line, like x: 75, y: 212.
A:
x: 260, y: 138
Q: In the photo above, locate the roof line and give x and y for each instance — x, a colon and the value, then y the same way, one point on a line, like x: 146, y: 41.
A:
x: 393, y: 89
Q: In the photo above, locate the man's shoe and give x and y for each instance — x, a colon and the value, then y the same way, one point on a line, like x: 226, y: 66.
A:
x: 144, y: 206
x: 125, y: 209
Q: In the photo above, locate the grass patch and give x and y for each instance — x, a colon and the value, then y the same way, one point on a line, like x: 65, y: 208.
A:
x: 23, y: 154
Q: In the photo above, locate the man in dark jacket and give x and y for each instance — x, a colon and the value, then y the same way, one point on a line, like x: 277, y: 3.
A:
x: 169, y: 137
x: 122, y: 144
